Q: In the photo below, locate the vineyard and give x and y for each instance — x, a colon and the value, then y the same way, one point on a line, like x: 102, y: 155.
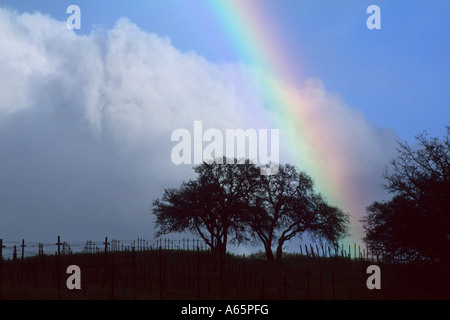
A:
x: 186, y: 269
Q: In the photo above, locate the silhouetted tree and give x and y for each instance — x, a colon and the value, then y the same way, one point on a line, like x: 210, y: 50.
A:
x: 211, y: 206
x: 230, y: 201
x: 417, y: 220
x: 286, y: 206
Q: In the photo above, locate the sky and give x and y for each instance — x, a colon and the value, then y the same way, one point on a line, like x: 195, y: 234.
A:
x: 86, y: 115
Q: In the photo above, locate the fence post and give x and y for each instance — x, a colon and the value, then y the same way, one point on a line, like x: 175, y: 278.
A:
x: 58, y: 266
x: 105, y: 266
x: 23, y: 248
x: 21, y: 259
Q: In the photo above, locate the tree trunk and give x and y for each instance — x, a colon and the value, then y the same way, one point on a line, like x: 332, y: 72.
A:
x: 280, y: 249
x: 269, y: 253
x: 221, y: 248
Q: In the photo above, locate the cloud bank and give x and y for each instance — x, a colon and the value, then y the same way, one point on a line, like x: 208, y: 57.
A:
x: 86, y: 121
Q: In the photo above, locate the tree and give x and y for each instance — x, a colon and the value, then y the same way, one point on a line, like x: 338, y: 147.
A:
x: 234, y: 201
x: 287, y: 206
x: 211, y: 206
x: 416, y: 220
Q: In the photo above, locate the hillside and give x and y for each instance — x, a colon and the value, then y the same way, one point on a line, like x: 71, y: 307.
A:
x: 186, y: 275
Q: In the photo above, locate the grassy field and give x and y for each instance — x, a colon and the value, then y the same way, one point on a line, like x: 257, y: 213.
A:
x: 182, y: 274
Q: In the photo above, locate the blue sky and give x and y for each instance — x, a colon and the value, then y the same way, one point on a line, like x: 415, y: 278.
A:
x: 86, y: 116
x: 398, y: 76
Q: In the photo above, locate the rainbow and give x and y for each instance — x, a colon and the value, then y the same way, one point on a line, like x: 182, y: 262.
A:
x: 257, y: 42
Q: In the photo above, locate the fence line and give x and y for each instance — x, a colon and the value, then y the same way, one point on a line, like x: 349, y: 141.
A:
x: 10, y: 250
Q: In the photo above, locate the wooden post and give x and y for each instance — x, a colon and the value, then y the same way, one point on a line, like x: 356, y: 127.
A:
x: 23, y: 248
x: 105, y: 266
x: 58, y: 266
x: 59, y: 245
x: 106, y: 243
x: 21, y: 259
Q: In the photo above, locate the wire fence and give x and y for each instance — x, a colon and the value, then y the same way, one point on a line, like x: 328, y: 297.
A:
x: 10, y: 250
